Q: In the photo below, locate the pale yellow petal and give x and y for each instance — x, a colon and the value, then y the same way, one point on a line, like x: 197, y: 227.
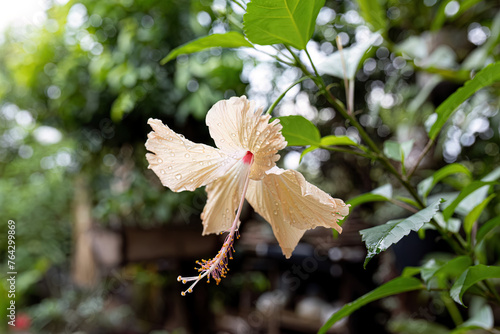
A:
x: 181, y: 164
x: 291, y: 204
x: 237, y: 127
x: 263, y: 197
x: 224, y: 195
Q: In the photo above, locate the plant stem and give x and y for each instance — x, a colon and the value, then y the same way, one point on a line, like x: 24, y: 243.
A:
x: 379, y: 155
x: 420, y: 157
x: 275, y: 103
x: 452, y: 309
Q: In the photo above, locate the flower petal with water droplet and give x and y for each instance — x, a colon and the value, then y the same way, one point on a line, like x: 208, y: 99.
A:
x: 180, y: 163
x: 301, y: 206
x: 237, y: 127
x: 224, y: 195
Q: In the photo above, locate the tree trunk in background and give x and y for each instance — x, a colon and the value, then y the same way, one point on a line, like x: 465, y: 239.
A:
x: 84, y: 269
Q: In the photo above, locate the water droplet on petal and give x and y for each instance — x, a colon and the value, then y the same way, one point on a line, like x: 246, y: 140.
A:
x: 219, y: 124
x: 233, y: 135
x: 169, y: 167
x: 276, y: 203
x: 222, y: 140
x: 257, y: 133
x: 275, y: 212
x: 162, y: 171
x: 178, y: 176
x: 160, y: 161
x: 187, y: 155
x: 227, y: 210
x: 182, y: 136
x: 170, y: 138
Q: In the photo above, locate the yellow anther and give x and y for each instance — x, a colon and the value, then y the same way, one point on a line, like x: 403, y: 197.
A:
x: 184, y: 281
x: 183, y: 293
x: 179, y: 279
x: 190, y: 290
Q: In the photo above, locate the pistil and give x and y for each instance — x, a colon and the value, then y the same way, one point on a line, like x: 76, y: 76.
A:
x: 217, y: 267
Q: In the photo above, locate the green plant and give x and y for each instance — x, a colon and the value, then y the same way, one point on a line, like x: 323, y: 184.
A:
x: 466, y: 218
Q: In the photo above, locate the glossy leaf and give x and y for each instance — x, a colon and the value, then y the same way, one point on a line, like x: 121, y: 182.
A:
x: 373, y: 13
x: 486, y: 228
x: 397, y: 285
x: 230, y: 39
x: 481, y: 316
x: 289, y: 22
x: 451, y: 268
x: 407, y: 325
x: 380, y: 238
x: 397, y: 151
x: 448, y: 211
x: 425, y: 186
x: 337, y: 140
x: 332, y: 65
x: 470, y: 277
x: 299, y: 131
x: 473, y: 216
x: 485, y: 77
x: 380, y: 194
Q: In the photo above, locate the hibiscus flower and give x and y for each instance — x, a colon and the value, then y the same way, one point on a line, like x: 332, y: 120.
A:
x: 242, y: 166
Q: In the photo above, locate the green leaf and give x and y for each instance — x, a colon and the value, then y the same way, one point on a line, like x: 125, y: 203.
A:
x: 380, y: 238
x: 373, y: 13
x: 480, y: 316
x: 307, y: 150
x: 397, y: 151
x: 383, y: 193
x: 485, y: 77
x: 397, y: 285
x: 407, y: 325
x: 448, y: 211
x: 290, y: 22
x: 470, y: 277
x: 230, y: 39
x: 332, y: 65
x: 473, y: 216
x: 425, y: 186
x: 486, y: 228
x: 299, y: 131
x: 451, y: 268
x: 337, y: 140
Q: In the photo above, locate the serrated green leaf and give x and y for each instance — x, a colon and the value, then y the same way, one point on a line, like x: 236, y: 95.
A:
x: 486, y: 228
x: 383, y: 193
x: 337, y: 140
x: 290, y: 22
x: 352, y: 56
x: 470, y: 277
x: 485, y: 77
x: 397, y: 285
x: 230, y: 39
x: 373, y: 13
x: 425, y: 186
x: 380, y: 238
x: 473, y: 216
x: 397, y: 151
x: 299, y: 131
x: 448, y: 211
